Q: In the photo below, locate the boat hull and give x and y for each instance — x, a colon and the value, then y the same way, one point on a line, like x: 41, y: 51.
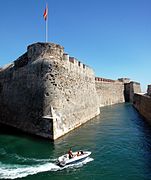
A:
x: 64, y: 160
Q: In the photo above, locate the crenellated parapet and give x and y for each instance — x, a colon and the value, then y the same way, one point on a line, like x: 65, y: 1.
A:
x: 56, y: 92
x: 73, y: 64
x: 99, y: 79
x: 109, y: 91
x: 48, y: 93
x: 55, y: 53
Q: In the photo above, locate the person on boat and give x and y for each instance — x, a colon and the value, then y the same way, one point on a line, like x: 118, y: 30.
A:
x: 70, y: 153
x: 81, y: 152
x: 78, y: 154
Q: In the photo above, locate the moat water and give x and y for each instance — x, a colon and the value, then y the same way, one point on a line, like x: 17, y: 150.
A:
x: 119, y: 139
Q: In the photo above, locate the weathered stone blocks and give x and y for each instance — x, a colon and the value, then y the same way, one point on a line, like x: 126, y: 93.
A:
x: 143, y: 104
x: 110, y: 92
x: 45, y: 94
x: 130, y: 89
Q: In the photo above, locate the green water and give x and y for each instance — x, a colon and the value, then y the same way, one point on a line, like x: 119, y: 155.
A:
x: 119, y: 139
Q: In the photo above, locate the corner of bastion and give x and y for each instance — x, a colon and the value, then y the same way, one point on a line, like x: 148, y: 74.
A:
x: 47, y: 93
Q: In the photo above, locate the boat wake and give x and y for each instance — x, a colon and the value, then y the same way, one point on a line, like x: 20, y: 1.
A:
x: 19, y: 171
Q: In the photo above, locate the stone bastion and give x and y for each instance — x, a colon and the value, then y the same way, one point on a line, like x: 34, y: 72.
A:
x: 46, y: 92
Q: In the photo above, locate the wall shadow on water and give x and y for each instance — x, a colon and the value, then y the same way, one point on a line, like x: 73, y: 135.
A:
x: 145, y: 139
x: 27, y: 146
x: 12, y: 131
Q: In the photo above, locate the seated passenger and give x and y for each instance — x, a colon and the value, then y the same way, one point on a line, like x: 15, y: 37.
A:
x: 81, y: 152
x: 70, y: 153
x: 78, y: 154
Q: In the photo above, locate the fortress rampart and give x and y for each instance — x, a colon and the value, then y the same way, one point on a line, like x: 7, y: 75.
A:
x: 130, y: 89
x: 142, y: 102
x: 46, y: 92
x: 109, y: 91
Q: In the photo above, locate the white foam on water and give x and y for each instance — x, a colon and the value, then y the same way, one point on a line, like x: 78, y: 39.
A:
x: 19, y: 171
x: 25, y: 159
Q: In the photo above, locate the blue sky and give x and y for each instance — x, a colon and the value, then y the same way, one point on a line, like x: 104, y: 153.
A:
x: 111, y: 36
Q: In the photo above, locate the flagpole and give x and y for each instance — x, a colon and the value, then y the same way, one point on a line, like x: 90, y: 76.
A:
x: 47, y: 24
x: 47, y: 29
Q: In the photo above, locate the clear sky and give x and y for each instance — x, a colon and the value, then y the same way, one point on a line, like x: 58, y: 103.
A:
x: 111, y: 36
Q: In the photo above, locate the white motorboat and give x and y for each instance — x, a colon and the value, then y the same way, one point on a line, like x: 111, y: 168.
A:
x: 77, y: 157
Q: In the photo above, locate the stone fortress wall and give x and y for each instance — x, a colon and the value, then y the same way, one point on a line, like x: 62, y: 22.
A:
x: 130, y: 89
x: 109, y: 91
x: 47, y: 93
x: 116, y: 91
x: 142, y: 102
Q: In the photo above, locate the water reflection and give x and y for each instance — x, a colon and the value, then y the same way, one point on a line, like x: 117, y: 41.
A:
x: 145, y: 139
x: 119, y: 139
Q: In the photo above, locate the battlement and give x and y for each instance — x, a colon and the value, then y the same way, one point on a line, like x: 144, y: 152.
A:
x: 99, y: 79
x: 77, y: 66
x: 105, y: 80
x: 53, y: 52
x: 57, y: 92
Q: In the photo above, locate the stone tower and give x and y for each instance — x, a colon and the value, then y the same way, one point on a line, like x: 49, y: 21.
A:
x: 47, y: 93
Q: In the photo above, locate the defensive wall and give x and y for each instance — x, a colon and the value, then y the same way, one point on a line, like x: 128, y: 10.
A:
x: 142, y: 102
x: 109, y: 91
x: 130, y: 89
x: 47, y: 93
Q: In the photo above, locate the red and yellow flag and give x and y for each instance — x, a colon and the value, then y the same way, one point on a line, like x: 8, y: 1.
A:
x: 45, y: 13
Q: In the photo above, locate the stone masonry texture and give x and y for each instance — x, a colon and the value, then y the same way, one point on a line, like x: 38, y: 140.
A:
x: 110, y: 92
x: 143, y: 104
x: 47, y: 93
x: 44, y: 83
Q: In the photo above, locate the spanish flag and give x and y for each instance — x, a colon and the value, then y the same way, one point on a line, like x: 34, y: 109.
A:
x: 45, y: 13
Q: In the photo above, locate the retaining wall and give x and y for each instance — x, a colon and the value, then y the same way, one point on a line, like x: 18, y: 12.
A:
x: 143, y: 104
x: 109, y: 91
